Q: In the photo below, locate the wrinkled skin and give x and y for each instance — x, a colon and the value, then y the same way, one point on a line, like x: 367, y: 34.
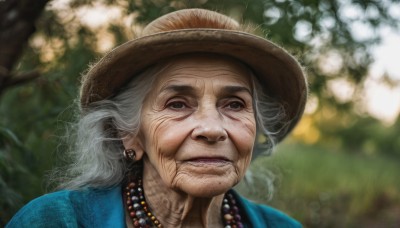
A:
x: 196, y: 138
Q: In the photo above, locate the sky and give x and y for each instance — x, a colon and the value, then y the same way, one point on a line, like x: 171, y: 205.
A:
x: 384, y: 101
x: 381, y: 100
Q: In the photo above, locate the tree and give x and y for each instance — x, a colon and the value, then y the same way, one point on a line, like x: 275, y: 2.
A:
x: 17, y: 25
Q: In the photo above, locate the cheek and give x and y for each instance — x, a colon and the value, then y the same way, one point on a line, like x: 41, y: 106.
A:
x: 167, y: 136
x: 243, y: 134
x: 163, y: 139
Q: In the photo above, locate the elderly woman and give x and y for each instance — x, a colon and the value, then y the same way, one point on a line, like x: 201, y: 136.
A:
x: 168, y: 126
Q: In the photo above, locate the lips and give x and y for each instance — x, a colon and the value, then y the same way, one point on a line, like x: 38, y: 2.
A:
x: 209, y: 160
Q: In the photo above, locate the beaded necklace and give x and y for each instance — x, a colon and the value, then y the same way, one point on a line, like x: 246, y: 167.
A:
x: 142, y: 217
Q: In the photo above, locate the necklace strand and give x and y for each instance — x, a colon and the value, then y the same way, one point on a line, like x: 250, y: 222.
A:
x: 142, y: 217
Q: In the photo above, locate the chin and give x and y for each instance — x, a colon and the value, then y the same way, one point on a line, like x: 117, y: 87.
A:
x: 206, y: 187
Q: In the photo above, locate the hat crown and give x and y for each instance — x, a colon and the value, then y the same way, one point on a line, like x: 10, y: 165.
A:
x: 190, y: 19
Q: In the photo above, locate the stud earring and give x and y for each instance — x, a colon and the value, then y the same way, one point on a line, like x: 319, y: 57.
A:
x: 130, y: 154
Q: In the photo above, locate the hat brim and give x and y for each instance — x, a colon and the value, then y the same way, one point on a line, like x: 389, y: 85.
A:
x: 280, y: 74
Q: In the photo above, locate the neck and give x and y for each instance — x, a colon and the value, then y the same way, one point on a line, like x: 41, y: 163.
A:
x: 178, y: 209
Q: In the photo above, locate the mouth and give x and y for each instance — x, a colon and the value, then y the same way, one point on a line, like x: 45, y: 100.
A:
x: 209, y: 160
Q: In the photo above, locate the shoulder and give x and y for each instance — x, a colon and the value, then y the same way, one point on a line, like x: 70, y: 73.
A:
x: 71, y: 209
x: 54, y: 209
x: 259, y: 215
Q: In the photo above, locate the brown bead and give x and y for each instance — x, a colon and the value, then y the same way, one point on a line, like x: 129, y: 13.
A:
x: 132, y: 214
x: 132, y: 185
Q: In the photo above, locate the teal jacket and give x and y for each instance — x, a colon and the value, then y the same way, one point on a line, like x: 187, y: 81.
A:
x: 104, y: 208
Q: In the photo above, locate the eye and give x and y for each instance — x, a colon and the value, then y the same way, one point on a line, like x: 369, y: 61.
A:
x: 176, y: 105
x: 236, y: 105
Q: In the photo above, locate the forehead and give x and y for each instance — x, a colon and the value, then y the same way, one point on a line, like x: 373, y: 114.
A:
x: 207, y: 67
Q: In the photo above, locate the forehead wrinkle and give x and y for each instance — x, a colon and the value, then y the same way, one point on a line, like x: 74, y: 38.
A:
x: 242, y: 77
x: 180, y: 86
x: 195, y: 70
x: 236, y: 85
x: 190, y: 65
x: 183, y: 72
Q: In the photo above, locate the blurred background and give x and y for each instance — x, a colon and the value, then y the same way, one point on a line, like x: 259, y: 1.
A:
x: 339, y: 168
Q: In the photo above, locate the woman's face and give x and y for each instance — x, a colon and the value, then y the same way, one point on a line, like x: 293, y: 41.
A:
x: 198, y: 124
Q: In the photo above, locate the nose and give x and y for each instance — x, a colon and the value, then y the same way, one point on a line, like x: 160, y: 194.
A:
x: 209, y: 128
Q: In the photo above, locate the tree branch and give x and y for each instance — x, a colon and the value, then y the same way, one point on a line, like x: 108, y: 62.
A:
x: 17, y: 24
x: 20, y: 78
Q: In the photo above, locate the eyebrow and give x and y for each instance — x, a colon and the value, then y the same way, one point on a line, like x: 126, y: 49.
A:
x: 235, y: 89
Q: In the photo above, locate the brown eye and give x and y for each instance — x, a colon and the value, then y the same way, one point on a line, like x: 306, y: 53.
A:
x: 177, y: 105
x: 236, y: 105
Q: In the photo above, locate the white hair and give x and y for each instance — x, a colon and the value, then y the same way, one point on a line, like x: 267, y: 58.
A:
x: 96, y: 158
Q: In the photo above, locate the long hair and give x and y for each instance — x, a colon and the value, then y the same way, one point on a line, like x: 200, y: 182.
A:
x: 95, y: 155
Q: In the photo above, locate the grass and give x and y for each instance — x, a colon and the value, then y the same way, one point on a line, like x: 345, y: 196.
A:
x: 322, y: 187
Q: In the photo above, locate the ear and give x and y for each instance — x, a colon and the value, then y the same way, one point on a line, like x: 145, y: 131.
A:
x: 133, y: 142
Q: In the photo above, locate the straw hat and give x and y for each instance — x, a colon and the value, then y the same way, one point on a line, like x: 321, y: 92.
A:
x: 200, y: 31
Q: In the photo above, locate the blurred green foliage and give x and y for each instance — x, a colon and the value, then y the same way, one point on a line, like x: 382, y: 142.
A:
x: 33, y: 116
x: 323, y: 187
